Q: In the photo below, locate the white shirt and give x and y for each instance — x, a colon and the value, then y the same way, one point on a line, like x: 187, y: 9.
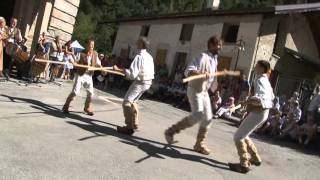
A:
x: 206, y: 62
x: 142, y: 67
x: 15, y: 37
x: 264, y: 91
x: 295, y: 114
x: 98, y: 61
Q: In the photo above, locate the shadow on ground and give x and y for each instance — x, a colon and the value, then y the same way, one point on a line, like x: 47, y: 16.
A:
x: 153, y: 149
x: 312, y: 149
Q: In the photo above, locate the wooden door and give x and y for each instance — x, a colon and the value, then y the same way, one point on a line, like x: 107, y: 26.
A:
x: 161, y: 57
x: 224, y: 62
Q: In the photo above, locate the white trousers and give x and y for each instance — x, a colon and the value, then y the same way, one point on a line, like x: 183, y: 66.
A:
x: 250, y: 123
x: 200, y: 107
x: 136, y: 90
x: 84, y: 81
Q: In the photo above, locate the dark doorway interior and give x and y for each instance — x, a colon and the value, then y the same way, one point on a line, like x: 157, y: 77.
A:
x: 6, y: 9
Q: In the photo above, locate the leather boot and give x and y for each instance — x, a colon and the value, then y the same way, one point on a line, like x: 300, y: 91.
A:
x: 255, y: 158
x: 200, y: 145
x: 176, y: 128
x: 135, y: 115
x: 125, y: 130
x: 87, y: 106
x: 129, y: 119
x: 66, y: 105
x: 128, y: 115
x: 244, y: 165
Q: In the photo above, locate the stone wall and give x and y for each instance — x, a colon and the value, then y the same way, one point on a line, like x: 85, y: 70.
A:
x: 55, y: 16
x: 63, y: 18
x: 295, y: 34
x: 164, y: 34
x: 267, y: 39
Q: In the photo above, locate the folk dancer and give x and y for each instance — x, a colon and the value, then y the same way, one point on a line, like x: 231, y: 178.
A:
x: 3, y: 37
x: 259, y: 105
x: 14, y: 37
x: 142, y: 72
x: 198, y: 96
x: 83, y: 78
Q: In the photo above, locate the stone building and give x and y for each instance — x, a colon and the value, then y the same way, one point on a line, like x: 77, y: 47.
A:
x: 249, y: 35
x: 35, y: 16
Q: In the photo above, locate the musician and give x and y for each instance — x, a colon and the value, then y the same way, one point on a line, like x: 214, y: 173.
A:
x: 142, y: 72
x: 83, y: 78
x: 42, y: 52
x: 14, y: 37
x: 56, y: 54
x: 198, y: 96
x: 44, y: 45
x: 260, y: 102
x: 3, y: 37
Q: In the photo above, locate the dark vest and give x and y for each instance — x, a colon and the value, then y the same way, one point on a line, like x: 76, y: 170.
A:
x: 84, y: 61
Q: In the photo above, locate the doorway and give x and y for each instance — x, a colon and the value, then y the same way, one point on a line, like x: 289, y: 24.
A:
x: 6, y: 9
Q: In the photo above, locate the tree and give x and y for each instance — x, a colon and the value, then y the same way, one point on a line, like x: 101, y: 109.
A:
x: 92, y: 14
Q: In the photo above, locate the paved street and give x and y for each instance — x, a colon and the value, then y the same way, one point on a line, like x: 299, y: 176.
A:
x: 38, y: 142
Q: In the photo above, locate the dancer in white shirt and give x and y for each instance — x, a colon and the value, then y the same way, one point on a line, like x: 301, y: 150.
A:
x: 198, y: 96
x: 260, y: 102
x: 142, y: 72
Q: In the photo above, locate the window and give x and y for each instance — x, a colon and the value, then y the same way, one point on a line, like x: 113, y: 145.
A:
x: 145, y: 31
x: 230, y: 33
x: 186, y: 32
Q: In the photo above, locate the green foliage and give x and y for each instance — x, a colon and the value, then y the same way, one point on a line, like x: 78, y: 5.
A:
x: 92, y: 14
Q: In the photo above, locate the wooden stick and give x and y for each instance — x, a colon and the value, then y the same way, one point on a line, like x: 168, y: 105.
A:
x: 114, y: 72
x: 90, y: 68
x: 51, y: 62
x: 100, y: 68
x: 219, y: 73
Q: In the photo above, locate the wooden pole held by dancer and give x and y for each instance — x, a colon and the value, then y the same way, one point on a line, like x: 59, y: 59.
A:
x: 219, y: 73
x: 90, y: 68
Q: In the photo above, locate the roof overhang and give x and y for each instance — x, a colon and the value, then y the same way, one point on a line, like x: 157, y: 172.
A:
x: 275, y: 10
x: 297, y: 8
x: 301, y: 57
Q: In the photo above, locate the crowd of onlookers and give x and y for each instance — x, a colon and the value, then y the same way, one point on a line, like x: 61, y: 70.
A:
x: 288, y: 120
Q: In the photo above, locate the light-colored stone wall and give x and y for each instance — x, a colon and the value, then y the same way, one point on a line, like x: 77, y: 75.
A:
x: 295, y: 34
x: 248, y: 32
x: 165, y: 34
x: 55, y: 16
x: 300, y: 37
x: 127, y: 35
x: 266, y: 41
x: 63, y: 18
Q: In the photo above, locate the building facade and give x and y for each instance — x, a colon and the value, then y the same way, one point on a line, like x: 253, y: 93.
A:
x: 249, y: 36
x: 180, y: 40
x: 36, y: 16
